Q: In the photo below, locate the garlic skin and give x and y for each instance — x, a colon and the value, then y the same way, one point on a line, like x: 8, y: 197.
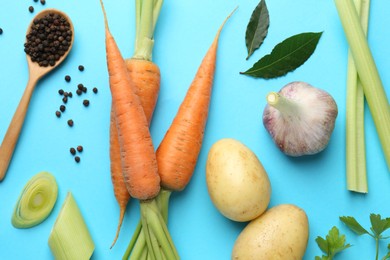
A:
x: 300, y: 118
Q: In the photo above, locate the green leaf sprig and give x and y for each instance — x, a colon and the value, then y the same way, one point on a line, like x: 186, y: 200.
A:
x: 257, y: 28
x: 286, y: 56
x: 333, y: 243
x: 378, y: 226
x: 388, y: 253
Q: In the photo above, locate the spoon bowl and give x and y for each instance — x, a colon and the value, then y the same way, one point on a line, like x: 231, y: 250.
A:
x: 36, y: 72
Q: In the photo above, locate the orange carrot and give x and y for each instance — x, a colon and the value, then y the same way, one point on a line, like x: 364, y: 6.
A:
x: 121, y: 193
x: 139, y: 165
x: 146, y: 78
x: 178, y: 152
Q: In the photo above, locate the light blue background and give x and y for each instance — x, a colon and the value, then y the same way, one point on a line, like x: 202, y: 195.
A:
x: 184, y: 32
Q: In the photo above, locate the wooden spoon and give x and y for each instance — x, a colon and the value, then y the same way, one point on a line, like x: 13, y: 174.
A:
x: 36, y: 72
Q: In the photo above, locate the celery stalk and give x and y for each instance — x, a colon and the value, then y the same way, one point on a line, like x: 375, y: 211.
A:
x: 355, y: 141
x: 70, y: 238
x: 368, y: 73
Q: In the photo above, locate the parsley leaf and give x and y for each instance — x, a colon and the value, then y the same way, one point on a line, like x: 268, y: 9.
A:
x: 378, y: 226
x: 333, y: 244
x: 354, y: 225
x: 388, y: 254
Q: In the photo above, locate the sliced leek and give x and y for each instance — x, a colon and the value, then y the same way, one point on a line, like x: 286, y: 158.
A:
x: 36, y: 201
x: 70, y: 238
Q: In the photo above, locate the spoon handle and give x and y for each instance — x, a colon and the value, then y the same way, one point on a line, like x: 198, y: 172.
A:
x: 11, y: 136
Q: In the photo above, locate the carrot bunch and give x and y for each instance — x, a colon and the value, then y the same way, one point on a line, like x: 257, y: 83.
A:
x: 178, y: 152
x: 137, y: 155
x: 145, y: 76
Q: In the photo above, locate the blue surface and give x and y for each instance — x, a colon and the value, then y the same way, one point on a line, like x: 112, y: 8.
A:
x: 184, y: 33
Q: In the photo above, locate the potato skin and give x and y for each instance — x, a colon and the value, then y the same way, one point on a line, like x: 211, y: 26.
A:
x: 237, y: 183
x: 282, y: 232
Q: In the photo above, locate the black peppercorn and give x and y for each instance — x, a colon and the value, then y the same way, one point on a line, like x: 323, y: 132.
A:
x: 1, y: 31
x: 80, y: 86
x: 81, y: 68
x: 67, y: 78
x: 70, y: 94
x: 62, y: 108
x: 43, y: 2
x: 58, y: 113
x: 42, y: 43
x: 95, y: 90
x: 65, y: 100
x: 77, y: 159
x: 84, y: 89
x: 79, y: 148
x: 72, y: 151
x: 70, y: 122
x: 86, y: 102
x: 31, y: 9
x: 79, y: 92
x: 61, y: 92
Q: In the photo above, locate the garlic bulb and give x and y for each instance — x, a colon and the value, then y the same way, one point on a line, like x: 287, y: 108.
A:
x: 300, y: 118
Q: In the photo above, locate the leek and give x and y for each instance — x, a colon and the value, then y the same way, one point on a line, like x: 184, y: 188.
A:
x: 368, y: 73
x: 70, y: 238
x: 36, y: 201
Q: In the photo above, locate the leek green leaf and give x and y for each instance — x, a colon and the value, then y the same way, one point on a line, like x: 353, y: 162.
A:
x: 286, y: 56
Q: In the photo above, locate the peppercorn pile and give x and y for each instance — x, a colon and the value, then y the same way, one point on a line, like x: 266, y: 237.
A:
x: 50, y: 37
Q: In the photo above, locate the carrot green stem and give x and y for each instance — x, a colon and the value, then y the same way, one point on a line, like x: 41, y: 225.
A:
x: 355, y: 141
x: 155, y: 229
x: 163, y: 203
x: 368, y: 73
x: 137, y: 246
x: 147, y: 12
x: 134, y: 245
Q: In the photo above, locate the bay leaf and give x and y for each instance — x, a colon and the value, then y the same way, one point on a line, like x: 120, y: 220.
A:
x: 257, y: 28
x: 286, y: 56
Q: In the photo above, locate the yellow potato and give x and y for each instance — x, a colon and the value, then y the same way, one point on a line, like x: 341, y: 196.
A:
x: 237, y: 183
x: 282, y: 232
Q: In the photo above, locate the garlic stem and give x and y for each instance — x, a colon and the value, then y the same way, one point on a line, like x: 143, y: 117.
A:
x: 285, y: 105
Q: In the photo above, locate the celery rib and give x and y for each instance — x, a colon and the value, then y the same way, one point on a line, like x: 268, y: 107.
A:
x: 368, y: 73
x: 355, y: 139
